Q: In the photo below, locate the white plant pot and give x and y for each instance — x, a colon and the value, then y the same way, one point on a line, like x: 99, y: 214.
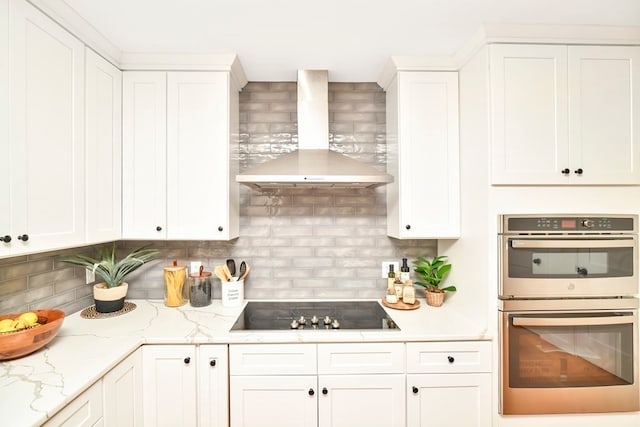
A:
x: 109, y: 300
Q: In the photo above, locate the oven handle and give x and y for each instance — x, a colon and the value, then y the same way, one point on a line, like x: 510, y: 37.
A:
x: 586, y: 243
x: 571, y: 321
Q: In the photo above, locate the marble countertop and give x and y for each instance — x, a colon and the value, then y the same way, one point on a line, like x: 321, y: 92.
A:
x: 35, y: 387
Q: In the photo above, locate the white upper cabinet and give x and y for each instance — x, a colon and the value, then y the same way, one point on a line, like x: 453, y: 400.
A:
x: 5, y: 188
x: 202, y: 195
x: 564, y: 114
x: 103, y: 149
x: 423, y: 155
x: 180, y: 132
x: 604, y: 114
x: 144, y: 155
x: 46, y: 158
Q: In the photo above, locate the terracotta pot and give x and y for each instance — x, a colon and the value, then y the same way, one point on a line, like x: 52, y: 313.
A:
x: 434, y: 299
x: 109, y: 300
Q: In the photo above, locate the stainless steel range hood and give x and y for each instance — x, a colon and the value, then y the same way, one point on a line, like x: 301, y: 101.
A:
x: 313, y: 164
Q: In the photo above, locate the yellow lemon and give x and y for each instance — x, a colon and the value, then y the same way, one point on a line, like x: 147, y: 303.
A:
x: 30, y: 318
x: 19, y: 324
x: 4, y: 323
x: 7, y: 329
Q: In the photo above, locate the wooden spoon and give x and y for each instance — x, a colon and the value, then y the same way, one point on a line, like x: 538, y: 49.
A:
x: 219, y: 272
x: 226, y: 272
x: 244, y: 270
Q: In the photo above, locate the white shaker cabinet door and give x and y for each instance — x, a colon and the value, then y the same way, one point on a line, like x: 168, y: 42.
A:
x: 529, y: 136
x: 46, y: 130
x: 144, y: 155
x: 274, y: 401
x: 5, y: 189
x: 423, y: 156
x: 122, y: 388
x: 604, y: 114
x: 361, y: 400
x: 169, y: 378
x: 213, y: 386
x: 449, y: 400
x: 104, y: 149
x: 198, y: 165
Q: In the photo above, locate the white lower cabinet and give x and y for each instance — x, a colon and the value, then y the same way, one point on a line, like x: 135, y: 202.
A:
x: 122, y: 388
x: 274, y: 400
x: 184, y: 385
x: 307, y: 385
x: 83, y: 411
x: 361, y: 400
x: 449, y: 400
x: 449, y: 384
x: 213, y: 386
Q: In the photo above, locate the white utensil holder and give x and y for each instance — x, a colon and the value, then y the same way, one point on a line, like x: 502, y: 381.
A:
x: 232, y: 293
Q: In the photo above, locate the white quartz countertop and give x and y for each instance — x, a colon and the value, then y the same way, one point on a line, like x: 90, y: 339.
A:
x: 35, y: 387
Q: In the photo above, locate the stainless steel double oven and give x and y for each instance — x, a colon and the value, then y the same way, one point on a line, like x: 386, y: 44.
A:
x: 568, y: 309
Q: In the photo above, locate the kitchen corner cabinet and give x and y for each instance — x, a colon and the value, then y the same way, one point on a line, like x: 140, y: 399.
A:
x: 449, y: 384
x: 185, y: 385
x: 103, y: 149
x: 423, y: 202
x: 180, y: 133
x: 317, y: 385
x: 122, y: 387
x: 43, y: 185
x: 565, y: 114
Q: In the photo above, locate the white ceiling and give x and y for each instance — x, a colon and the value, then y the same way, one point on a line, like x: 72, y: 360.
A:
x: 350, y: 38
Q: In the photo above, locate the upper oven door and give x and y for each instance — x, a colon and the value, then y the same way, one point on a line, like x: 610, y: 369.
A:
x: 568, y: 266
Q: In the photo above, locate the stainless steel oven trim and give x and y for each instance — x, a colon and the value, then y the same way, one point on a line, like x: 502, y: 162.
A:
x: 554, y: 400
x: 574, y: 243
x: 569, y: 321
x: 503, y: 222
x: 566, y: 287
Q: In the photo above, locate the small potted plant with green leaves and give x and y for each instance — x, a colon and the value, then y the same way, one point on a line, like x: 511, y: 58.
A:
x: 109, y: 295
x: 432, y: 273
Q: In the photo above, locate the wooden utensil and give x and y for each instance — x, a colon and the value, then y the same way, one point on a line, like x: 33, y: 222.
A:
x: 231, y: 265
x: 244, y: 270
x: 226, y: 272
x: 219, y: 272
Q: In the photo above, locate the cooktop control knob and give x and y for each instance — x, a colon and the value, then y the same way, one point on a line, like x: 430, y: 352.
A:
x: 327, y: 320
x: 302, y: 320
x: 294, y: 324
x: 587, y: 223
x: 335, y: 324
x: 314, y: 320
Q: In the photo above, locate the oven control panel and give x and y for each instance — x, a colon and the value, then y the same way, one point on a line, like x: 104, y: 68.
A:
x: 568, y: 224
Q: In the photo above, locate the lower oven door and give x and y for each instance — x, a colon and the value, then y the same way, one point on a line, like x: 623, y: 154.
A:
x: 569, y: 362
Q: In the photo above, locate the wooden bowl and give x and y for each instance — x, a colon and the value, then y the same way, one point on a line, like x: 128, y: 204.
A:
x: 26, y: 341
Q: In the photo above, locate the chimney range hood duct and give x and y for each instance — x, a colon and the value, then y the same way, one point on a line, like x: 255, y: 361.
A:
x: 313, y: 164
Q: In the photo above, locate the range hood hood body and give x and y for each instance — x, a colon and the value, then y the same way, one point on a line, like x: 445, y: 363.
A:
x: 313, y: 164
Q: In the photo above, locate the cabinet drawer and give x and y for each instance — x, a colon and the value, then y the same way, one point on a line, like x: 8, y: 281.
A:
x: 272, y: 359
x: 364, y: 358
x: 448, y: 357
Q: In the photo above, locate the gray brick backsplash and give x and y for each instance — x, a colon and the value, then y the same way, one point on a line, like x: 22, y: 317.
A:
x: 300, y: 243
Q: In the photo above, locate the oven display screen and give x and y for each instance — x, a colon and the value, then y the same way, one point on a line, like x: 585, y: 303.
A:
x: 568, y: 223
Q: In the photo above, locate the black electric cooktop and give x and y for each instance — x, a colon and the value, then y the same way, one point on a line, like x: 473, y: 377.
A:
x: 313, y: 315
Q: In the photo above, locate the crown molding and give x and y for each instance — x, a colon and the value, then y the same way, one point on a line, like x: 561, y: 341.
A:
x: 514, y: 34
x: 186, y: 62
x: 75, y: 24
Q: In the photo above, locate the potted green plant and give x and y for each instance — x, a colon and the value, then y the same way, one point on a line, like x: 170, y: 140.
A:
x: 432, y: 274
x: 109, y: 295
